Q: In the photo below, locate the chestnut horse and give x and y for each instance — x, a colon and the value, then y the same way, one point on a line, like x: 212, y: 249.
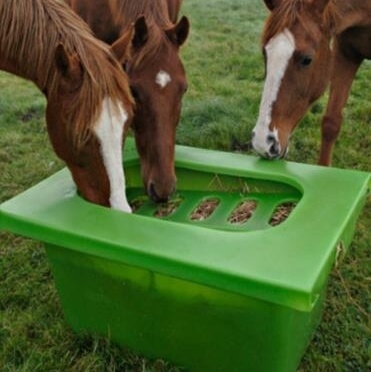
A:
x: 89, y: 105
x: 156, y: 74
x: 307, y: 44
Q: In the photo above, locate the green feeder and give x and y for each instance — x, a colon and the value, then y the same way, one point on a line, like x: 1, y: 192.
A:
x: 229, y: 276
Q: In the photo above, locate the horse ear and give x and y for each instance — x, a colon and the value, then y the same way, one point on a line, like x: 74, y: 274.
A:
x: 174, y: 8
x: 121, y: 48
x: 179, y: 33
x: 141, y: 32
x: 271, y: 4
x: 68, y: 65
x: 62, y: 60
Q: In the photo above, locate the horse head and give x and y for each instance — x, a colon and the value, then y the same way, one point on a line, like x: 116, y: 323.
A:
x: 158, y: 82
x: 297, y: 60
x: 90, y: 141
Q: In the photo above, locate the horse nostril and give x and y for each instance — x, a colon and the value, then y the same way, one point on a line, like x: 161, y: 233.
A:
x: 274, y: 150
x: 152, y: 192
x: 271, y: 139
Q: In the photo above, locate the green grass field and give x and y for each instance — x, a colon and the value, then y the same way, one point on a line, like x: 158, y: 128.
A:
x: 225, y: 73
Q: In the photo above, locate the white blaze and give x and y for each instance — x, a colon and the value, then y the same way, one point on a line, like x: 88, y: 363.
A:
x: 279, y: 51
x: 163, y: 78
x: 109, y: 130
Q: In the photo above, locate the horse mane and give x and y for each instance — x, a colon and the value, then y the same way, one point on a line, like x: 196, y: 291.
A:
x: 156, y: 13
x: 291, y: 11
x: 30, y: 33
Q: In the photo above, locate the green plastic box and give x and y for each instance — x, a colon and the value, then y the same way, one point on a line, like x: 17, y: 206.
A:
x: 205, y: 294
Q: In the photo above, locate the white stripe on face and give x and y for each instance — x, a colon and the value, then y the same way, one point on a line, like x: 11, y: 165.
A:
x: 163, y: 78
x: 279, y: 51
x: 109, y: 130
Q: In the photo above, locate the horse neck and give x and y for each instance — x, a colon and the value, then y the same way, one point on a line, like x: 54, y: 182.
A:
x: 345, y: 14
x: 20, y: 52
x: 125, y: 12
x: 28, y: 71
x: 8, y: 66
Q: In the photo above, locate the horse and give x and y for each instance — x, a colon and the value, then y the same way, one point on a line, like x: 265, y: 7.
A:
x: 156, y: 75
x: 308, y: 45
x: 89, y: 105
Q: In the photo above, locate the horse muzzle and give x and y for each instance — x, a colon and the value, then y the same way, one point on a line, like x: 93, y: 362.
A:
x: 269, y: 147
x: 160, y: 193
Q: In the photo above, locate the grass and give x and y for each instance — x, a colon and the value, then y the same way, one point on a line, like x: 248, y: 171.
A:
x: 225, y: 72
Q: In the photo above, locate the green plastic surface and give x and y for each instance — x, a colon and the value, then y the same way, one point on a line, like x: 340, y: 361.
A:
x: 196, y: 326
x: 283, y: 264
x: 186, y: 290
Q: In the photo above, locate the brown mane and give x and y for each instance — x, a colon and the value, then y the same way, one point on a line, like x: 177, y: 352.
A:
x: 291, y: 11
x: 30, y: 32
x: 157, y: 19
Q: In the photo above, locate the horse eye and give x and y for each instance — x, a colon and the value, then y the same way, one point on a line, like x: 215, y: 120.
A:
x: 305, y: 61
x: 135, y: 94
